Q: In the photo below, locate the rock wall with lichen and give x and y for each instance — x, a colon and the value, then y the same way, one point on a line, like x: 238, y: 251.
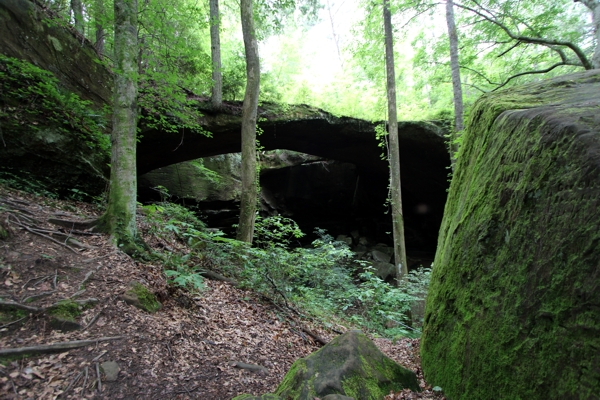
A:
x: 514, y: 304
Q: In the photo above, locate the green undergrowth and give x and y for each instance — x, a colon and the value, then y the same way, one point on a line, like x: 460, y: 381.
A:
x: 32, y: 99
x: 322, y: 280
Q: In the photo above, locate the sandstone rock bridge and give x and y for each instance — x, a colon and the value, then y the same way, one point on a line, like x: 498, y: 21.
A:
x: 67, y: 163
x: 423, y: 153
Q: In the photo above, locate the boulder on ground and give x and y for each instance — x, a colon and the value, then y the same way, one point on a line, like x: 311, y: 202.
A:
x: 384, y: 270
x: 141, y: 297
x: 350, y: 365
x: 514, y: 302
x: 111, y: 370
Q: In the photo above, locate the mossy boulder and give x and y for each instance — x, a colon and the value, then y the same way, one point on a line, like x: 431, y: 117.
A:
x: 513, y: 309
x: 350, y: 365
x: 63, y: 316
x: 141, y: 297
x: 3, y: 232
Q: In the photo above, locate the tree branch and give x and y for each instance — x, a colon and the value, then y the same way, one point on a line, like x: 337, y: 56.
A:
x: 481, y: 75
x: 585, y: 63
x: 539, y: 71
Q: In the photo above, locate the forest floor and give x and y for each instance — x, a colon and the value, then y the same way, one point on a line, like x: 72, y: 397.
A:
x: 186, y: 350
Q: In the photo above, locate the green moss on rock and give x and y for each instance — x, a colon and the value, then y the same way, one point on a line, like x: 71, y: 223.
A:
x: 139, y: 296
x: 514, y: 306
x: 65, y: 309
x: 349, y: 365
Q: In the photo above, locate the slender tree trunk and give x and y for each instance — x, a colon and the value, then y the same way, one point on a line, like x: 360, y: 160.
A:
x: 456, y: 85
x: 245, y: 230
x: 120, y: 215
x: 77, y: 8
x: 594, y: 7
x: 215, y: 52
x: 336, y: 39
x: 596, y: 22
x: 396, y: 193
x: 99, y: 13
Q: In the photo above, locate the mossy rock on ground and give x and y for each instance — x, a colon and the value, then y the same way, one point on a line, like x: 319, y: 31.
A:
x: 513, y: 309
x: 63, y: 316
x: 350, y: 365
x: 141, y: 297
x: 3, y: 233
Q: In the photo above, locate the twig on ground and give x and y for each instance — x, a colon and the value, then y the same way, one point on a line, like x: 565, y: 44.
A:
x: 85, y: 279
x: 315, y: 337
x: 61, y: 346
x: 37, y: 296
x: 99, y: 356
x: 217, y: 277
x: 93, y: 321
x: 85, y: 381
x: 250, y: 367
x: 42, y: 280
x: 98, y: 258
x: 12, y: 304
x: 73, y: 382
x: 33, y: 279
x: 169, y: 350
x: 99, y: 380
x: 11, y: 323
x: 77, y: 294
x: 45, y: 236
x: 55, y: 278
x: 186, y: 390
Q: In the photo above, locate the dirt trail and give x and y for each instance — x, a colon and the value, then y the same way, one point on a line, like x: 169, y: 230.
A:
x: 187, y: 350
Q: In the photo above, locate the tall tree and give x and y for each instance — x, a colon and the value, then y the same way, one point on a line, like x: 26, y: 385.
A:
x: 456, y: 85
x: 594, y: 7
x: 215, y: 51
x: 336, y: 38
x: 119, y: 219
x: 77, y: 9
x: 99, y: 12
x: 394, y: 150
x: 245, y: 230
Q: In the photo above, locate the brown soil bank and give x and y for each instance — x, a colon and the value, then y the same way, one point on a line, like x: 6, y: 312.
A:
x: 514, y: 304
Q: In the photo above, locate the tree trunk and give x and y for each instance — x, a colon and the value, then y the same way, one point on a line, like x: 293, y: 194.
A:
x: 594, y: 7
x: 596, y: 22
x: 77, y: 9
x: 120, y: 215
x: 245, y: 230
x: 456, y: 85
x: 99, y: 12
x: 395, y: 191
x: 215, y: 52
x: 336, y: 39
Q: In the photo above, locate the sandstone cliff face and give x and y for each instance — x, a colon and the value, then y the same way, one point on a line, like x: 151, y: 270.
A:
x: 514, y: 305
x: 53, y: 129
x: 27, y: 33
